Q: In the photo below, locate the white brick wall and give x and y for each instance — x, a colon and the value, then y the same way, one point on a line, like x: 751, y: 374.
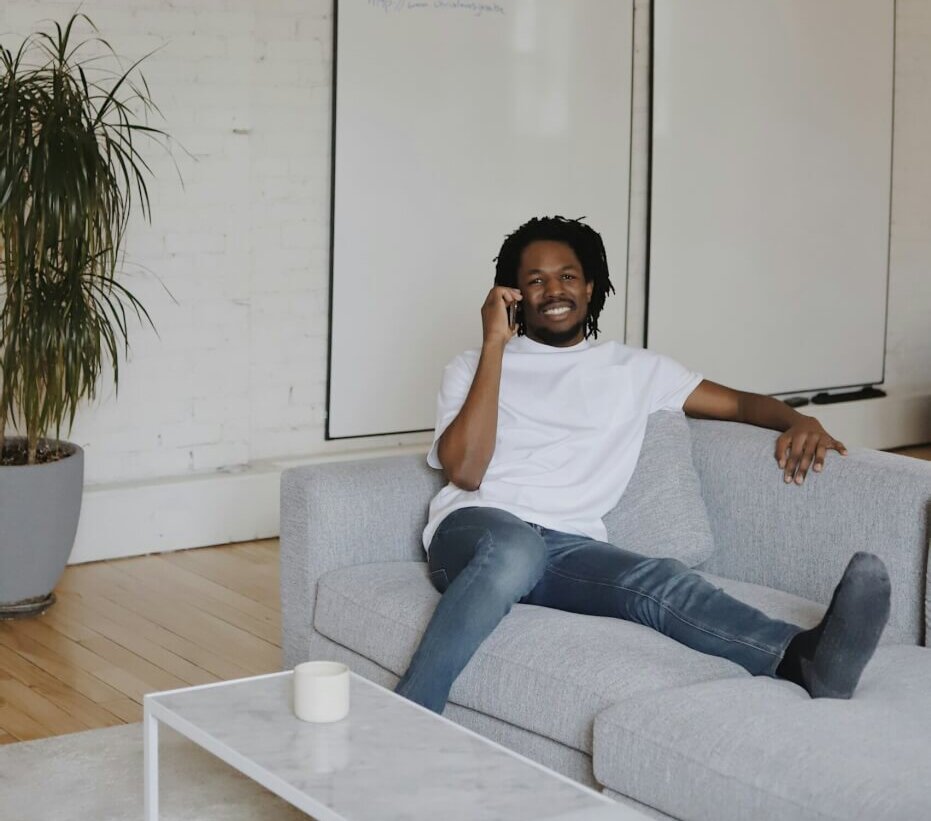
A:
x: 239, y: 371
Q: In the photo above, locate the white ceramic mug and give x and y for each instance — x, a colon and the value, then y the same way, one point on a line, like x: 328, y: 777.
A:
x: 321, y: 691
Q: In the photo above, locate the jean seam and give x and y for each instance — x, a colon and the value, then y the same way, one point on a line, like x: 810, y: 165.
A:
x: 443, y: 571
x: 456, y: 528
x: 668, y: 609
x: 482, y: 560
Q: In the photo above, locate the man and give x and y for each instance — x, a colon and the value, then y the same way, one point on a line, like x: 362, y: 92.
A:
x: 538, y: 434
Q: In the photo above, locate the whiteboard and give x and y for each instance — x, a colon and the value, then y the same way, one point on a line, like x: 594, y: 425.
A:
x: 771, y: 174
x: 454, y: 123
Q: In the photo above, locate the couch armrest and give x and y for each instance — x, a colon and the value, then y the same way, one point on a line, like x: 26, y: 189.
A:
x: 345, y: 513
x: 799, y: 538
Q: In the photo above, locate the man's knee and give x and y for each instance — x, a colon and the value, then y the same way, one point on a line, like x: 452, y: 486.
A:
x: 662, y: 569
x: 517, y: 554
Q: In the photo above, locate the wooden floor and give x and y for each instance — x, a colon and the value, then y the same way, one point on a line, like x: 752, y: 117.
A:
x: 127, y: 627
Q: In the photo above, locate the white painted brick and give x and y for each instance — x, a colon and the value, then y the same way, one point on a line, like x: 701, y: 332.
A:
x: 189, y: 433
x: 214, y: 457
x: 239, y: 372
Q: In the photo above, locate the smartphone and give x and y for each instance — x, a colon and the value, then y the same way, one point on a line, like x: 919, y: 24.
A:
x: 512, y: 313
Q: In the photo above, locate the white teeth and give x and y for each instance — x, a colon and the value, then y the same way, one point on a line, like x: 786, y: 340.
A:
x: 563, y: 310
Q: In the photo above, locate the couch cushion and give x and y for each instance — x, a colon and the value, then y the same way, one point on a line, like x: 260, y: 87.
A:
x: 661, y: 512
x: 761, y: 748
x: 542, y: 669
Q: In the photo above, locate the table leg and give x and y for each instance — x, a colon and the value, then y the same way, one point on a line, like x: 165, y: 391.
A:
x: 150, y: 740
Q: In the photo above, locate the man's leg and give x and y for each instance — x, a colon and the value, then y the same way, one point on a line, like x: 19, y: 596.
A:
x: 482, y: 560
x: 588, y: 576
x: 828, y: 659
x: 600, y: 579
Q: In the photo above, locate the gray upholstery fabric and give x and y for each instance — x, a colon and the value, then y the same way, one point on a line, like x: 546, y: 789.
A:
x: 661, y: 512
x: 759, y: 748
x: 799, y: 538
x: 339, y: 514
x: 362, y: 510
x: 649, y: 812
x: 576, y: 665
x: 571, y: 763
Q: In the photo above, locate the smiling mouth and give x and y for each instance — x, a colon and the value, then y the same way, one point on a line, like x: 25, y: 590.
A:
x: 557, y: 312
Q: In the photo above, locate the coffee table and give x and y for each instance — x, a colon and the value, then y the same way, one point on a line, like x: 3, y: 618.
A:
x: 388, y: 759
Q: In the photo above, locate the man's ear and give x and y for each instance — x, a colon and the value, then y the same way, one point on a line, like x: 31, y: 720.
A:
x: 589, y: 287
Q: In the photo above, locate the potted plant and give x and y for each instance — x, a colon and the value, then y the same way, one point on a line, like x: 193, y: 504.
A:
x: 69, y: 166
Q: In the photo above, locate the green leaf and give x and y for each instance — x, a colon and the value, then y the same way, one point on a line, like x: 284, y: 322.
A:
x: 69, y: 168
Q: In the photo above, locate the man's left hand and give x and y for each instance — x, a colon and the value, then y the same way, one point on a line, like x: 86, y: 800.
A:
x: 804, y: 441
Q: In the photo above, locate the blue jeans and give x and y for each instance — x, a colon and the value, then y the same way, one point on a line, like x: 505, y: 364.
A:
x: 483, y: 559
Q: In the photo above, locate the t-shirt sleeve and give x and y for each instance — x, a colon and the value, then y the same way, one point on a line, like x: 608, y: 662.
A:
x: 457, y: 379
x: 670, y: 383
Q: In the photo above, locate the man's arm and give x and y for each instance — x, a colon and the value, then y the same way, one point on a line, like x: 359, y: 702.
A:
x: 467, y: 445
x: 803, y: 439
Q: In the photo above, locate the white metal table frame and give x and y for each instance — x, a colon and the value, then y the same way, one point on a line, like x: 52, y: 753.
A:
x: 155, y: 712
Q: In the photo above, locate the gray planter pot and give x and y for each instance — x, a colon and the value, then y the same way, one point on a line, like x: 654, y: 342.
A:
x: 39, y: 510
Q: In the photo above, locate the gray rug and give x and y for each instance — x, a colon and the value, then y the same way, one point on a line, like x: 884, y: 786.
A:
x: 98, y: 776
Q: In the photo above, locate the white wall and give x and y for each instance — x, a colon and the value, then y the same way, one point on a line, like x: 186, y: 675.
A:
x: 238, y: 377
x: 908, y: 340
x: 238, y: 373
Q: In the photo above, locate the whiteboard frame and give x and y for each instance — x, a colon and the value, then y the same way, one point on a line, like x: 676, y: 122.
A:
x: 801, y: 390
x: 619, y: 259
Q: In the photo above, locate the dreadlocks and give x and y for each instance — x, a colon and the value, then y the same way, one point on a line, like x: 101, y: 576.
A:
x: 584, y: 241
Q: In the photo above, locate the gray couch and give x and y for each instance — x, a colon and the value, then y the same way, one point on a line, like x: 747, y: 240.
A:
x: 618, y: 706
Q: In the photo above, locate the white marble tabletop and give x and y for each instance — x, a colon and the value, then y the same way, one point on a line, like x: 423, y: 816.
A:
x: 388, y: 759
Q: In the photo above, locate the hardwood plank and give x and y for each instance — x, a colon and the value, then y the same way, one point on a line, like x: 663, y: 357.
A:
x: 69, y: 650
x: 199, y: 592
x: 228, y: 641
x: 143, y: 670
x: 121, y: 680
x: 55, y: 665
x: 916, y: 451
x: 267, y: 550
x: 71, y: 609
x: 37, y: 707
x: 126, y: 627
x: 215, y: 665
x: 19, y: 725
x: 127, y: 709
x: 74, y: 630
x: 58, y: 692
x: 159, y: 570
x: 229, y: 570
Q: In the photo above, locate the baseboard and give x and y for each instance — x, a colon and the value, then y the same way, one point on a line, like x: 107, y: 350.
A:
x: 136, y: 518
x: 897, y: 420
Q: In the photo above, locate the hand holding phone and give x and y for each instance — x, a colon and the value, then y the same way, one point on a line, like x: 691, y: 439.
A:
x: 493, y: 328
x: 512, y: 315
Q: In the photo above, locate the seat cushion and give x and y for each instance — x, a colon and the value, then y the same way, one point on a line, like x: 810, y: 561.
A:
x: 761, y: 748
x: 542, y: 669
x: 661, y: 512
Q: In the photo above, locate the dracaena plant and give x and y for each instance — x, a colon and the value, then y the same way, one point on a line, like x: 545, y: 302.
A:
x: 70, y: 171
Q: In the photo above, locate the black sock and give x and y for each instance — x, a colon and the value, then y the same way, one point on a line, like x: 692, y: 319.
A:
x: 803, y: 645
x: 828, y: 659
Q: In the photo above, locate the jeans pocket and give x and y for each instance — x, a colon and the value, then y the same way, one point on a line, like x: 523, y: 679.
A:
x: 439, y: 579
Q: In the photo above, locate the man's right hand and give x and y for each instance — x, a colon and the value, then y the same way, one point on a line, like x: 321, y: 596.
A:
x: 495, y: 314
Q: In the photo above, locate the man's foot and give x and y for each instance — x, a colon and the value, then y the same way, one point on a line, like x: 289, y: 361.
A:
x: 828, y: 659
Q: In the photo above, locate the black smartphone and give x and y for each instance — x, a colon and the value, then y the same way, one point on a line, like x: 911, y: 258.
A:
x: 512, y: 313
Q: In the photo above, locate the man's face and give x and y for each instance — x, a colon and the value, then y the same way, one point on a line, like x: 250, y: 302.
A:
x: 556, y: 295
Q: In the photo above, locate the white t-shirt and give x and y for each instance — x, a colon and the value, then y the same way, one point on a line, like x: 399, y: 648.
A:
x: 571, y: 423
